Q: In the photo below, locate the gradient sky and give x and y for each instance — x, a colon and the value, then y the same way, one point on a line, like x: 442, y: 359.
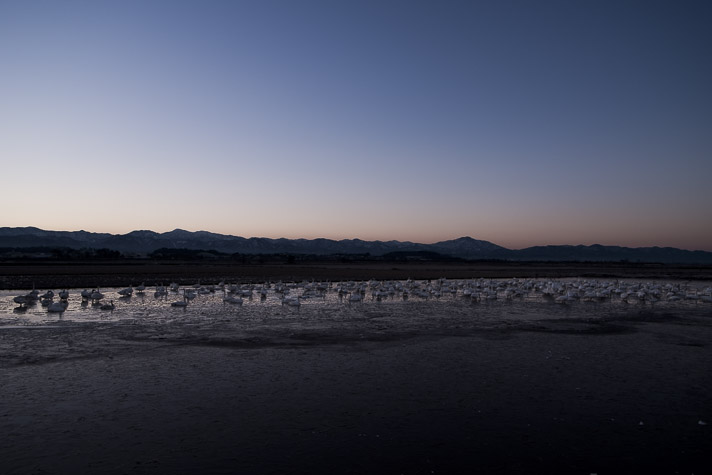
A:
x: 522, y: 123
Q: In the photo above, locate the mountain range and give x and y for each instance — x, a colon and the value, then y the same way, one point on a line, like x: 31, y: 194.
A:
x: 145, y: 242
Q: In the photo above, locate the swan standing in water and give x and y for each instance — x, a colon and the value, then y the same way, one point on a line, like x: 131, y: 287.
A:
x: 33, y: 296
x: 181, y: 303
x: 96, y: 296
x: 58, y: 307
x: 232, y: 299
x: 127, y: 292
x: 292, y: 301
x: 160, y: 291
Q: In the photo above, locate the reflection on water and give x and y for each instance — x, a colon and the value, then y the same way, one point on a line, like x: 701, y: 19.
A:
x: 300, y: 315
x: 406, y: 303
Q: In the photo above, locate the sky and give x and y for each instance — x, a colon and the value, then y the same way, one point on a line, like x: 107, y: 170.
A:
x: 521, y: 123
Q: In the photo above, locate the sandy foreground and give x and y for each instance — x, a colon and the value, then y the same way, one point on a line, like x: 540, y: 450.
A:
x: 362, y: 391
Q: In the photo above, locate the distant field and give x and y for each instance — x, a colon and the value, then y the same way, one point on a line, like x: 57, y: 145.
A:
x: 21, y: 275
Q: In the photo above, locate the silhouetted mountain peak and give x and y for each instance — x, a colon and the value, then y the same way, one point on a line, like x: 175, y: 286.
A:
x: 177, y: 232
x: 465, y: 247
x: 142, y: 233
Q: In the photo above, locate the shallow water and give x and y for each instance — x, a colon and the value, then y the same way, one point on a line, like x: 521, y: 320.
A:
x: 327, y: 305
x: 424, y: 309
x: 379, y: 386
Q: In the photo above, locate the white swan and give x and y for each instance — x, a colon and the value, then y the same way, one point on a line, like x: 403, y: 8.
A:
x: 181, y: 303
x: 231, y: 299
x: 33, y: 296
x: 291, y: 301
x: 127, y: 292
x: 58, y: 307
x: 160, y: 291
x: 96, y: 295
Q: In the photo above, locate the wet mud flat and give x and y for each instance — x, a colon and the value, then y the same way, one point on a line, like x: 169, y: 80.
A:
x: 418, y: 387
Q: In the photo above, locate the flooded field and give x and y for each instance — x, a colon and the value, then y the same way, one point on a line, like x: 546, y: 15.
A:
x: 310, y: 313
x: 348, y: 311
x: 498, y: 376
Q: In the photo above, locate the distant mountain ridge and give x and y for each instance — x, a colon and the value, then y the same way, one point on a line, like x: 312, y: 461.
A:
x: 145, y: 242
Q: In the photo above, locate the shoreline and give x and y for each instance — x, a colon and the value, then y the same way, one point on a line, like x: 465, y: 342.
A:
x: 120, y: 273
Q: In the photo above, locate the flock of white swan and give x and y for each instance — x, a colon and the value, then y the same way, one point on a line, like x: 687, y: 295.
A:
x: 564, y: 291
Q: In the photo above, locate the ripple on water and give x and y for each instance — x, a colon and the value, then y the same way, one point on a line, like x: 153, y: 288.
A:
x: 331, y: 308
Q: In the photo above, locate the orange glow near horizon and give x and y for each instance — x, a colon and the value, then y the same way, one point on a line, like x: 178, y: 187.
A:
x: 511, y: 240
x: 501, y: 127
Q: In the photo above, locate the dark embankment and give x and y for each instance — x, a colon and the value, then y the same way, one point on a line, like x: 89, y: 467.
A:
x: 20, y: 274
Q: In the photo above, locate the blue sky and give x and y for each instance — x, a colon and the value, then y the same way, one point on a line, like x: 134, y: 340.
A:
x: 522, y: 123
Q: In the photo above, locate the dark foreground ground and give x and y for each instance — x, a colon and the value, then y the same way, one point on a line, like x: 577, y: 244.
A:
x: 370, y: 393
x: 560, y: 396
x: 118, y: 273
